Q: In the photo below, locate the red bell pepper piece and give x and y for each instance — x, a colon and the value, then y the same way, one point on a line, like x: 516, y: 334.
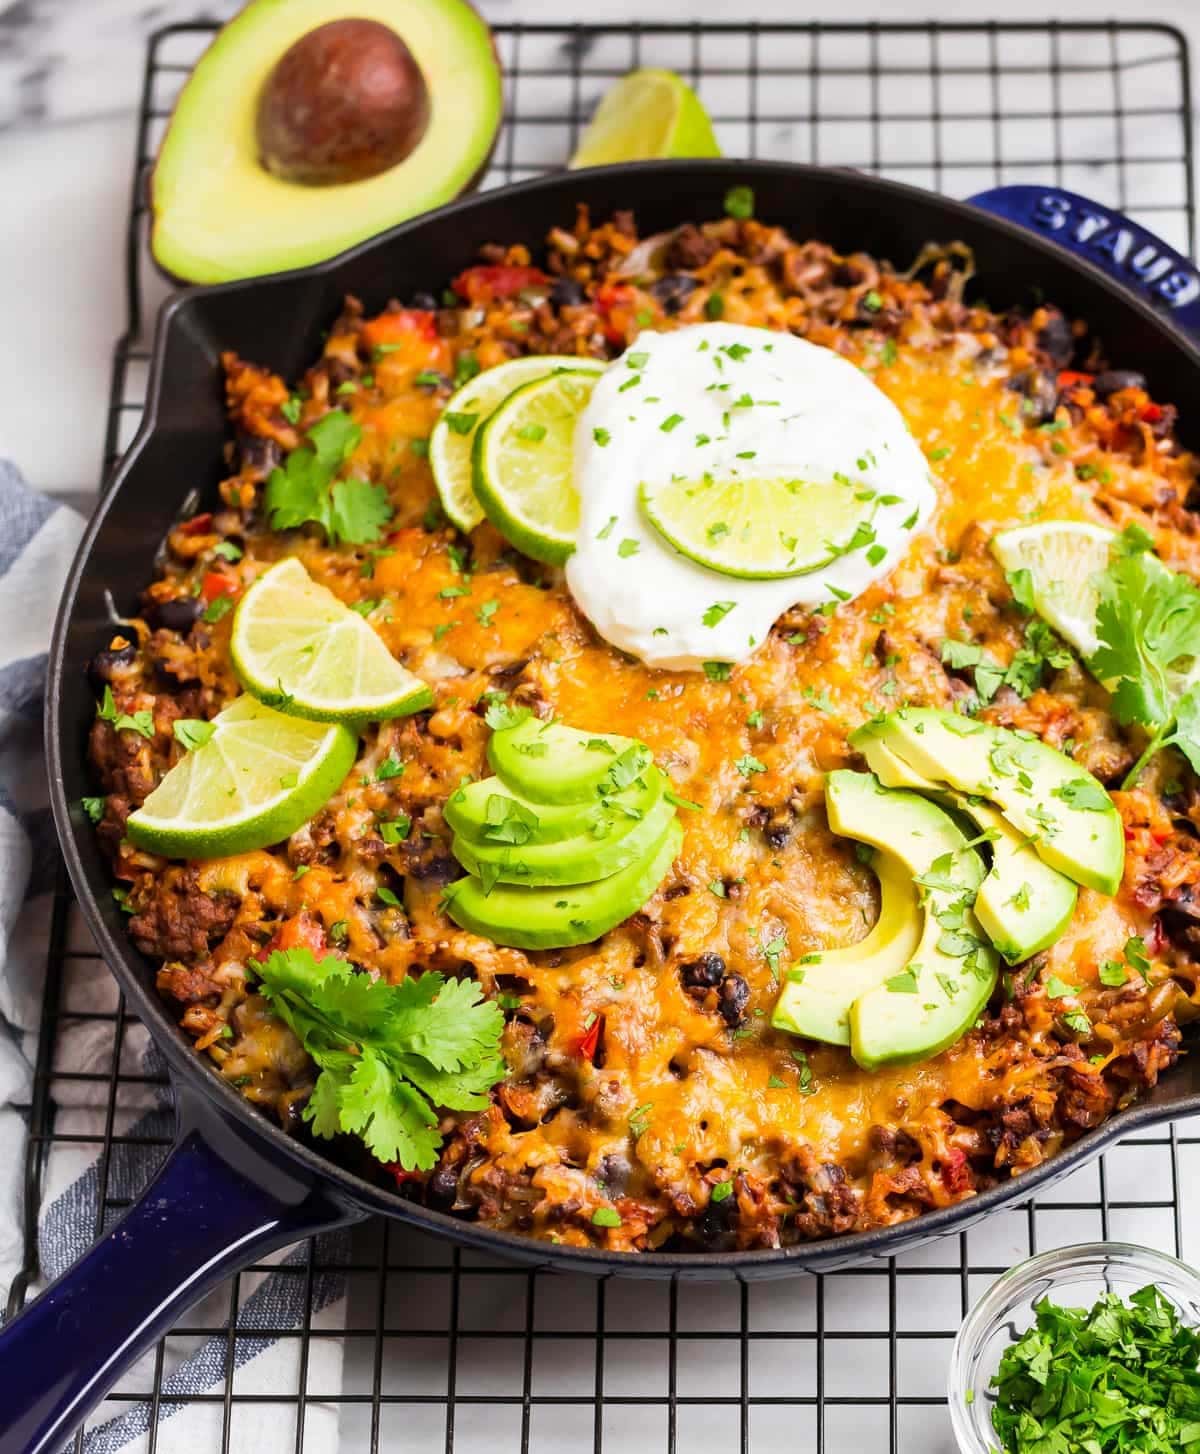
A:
x: 485, y: 283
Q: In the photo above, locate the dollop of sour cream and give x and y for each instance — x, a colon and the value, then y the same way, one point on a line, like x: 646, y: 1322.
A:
x: 706, y: 399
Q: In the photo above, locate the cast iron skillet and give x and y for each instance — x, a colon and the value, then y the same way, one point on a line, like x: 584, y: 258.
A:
x: 235, y: 1187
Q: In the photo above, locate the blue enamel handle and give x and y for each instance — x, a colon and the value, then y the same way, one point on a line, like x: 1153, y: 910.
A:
x: 214, y: 1206
x: 1127, y: 252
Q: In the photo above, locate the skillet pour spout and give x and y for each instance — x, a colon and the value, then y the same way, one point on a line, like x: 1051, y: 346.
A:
x: 236, y: 1186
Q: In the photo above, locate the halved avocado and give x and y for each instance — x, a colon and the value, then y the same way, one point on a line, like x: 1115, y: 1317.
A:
x: 556, y: 918
x: 613, y: 843
x: 818, y: 992
x: 1023, y: 904
x: 219, y: 214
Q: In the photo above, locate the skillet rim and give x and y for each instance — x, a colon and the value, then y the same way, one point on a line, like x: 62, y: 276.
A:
x: 193, y: 1079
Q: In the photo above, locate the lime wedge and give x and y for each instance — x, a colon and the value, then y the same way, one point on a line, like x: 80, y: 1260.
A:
x: 523, y: 463
x: 258, y: 778
x: 298, y: 648
x: 757, y: 529
x: 647, y: 114
x: 1063, y: 558
x: 450, y: 442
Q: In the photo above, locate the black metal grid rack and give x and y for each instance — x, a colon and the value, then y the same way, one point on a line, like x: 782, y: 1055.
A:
x: 386, y: 1340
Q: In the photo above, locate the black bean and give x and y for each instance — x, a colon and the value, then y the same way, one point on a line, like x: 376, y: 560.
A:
x: 1056, y: 339
x: 442, y: 1187
x: 1113, y: 379
x: 1040, y: 392
x: 703, y: 974
x: 566, y: 293
x: 105, y: 664
x: 426, y: 302
x: 259, y: 456
x: 732, y: 999
x: 180, y: 614
x: 674, y: 290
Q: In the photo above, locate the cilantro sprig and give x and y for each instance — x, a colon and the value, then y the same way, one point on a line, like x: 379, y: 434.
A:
x: 304, y: 490
x: 389, y: 1055
x: 1148, y: 624
x: 1119, y: 1376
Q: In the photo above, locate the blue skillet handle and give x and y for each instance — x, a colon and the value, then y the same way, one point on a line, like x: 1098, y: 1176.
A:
x: 1125, y: 251
x: 214, y: 1206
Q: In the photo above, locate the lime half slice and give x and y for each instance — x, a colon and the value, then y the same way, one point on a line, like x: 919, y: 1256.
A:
x: 1063, y: 558
x: 756, y: 528
x: 258, y: 778
x: 298, y: 648
x: 523, y: 461
x: 450, y: 442
x: 647, y: 114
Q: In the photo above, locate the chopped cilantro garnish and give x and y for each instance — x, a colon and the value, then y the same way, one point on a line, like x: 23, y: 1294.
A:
x: 717, y: 612
x: 739, y: 203
x: 627, y: 548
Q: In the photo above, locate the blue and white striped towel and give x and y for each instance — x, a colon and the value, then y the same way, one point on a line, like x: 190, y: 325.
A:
x: 37, y: 542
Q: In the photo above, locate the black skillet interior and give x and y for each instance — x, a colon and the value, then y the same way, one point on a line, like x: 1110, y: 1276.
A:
x: 279, y: 321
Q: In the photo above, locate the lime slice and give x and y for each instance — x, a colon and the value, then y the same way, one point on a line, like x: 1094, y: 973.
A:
x: 450, y: 442
x: 647, y: 114
x: 298, y: 648
x: 258, y: 778
x: 1063, y: 558
x: 523, y: 461
x: 755, y: 528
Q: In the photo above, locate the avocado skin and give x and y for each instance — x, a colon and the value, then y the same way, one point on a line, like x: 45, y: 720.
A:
x: 1016, y: 873
x: 1085, y: 844
x: 890, y: 1026
x: 543, y: 918
x: 578, y: 860
x: 817, y: 997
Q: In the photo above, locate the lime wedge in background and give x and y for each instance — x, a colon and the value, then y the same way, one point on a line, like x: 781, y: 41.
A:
x: 258, y: 778
x: 647, y: 114
x: 450, y: 442
x: 298, y: 648
x: 1063, y: 558
x: 523, y: 461
x: 755, y: 528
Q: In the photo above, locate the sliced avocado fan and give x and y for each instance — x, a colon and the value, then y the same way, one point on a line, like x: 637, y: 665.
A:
x: 571, y: 836
x: 1023, y: 904
x: 1060, y: 809
x: 914, y: 985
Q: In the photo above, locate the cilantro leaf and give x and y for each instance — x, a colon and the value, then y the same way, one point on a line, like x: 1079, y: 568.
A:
x: 192, y: 732
x: 304, y: 489
x: 388, y: 1055
x: 140, y: 722
x: 1148, y: 624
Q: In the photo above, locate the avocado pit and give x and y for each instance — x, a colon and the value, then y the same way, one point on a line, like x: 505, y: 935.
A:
x: 345, y: 102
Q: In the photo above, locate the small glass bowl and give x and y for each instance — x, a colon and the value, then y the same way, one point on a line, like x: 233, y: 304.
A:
x: 1071, y: 1277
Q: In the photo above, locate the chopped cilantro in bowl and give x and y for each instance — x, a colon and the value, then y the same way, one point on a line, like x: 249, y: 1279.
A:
x: 1090, y: 1348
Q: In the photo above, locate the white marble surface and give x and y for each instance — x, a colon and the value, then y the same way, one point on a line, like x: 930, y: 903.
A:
x: 70, y: 72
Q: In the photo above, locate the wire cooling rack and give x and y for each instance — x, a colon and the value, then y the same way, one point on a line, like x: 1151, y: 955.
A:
x: 388, y: 1340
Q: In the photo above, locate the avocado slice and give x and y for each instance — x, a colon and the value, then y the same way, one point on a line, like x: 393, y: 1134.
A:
x: 480, y: 806
x: 818, y: 992
x: 1023, y: 904
x: 1061, y: 809
x: 610, y: 845
x: 551, y: 763
x: 218, y: 214
x: 939, y: 993
x: 556, y: 918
